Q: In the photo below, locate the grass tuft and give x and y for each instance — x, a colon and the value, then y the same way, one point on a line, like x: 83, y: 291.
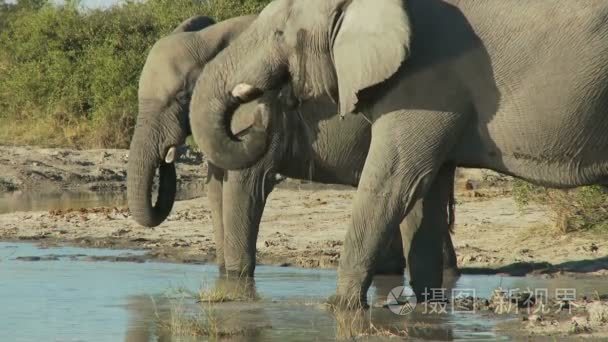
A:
x: 573, y: 210
x: 198, y: 314
x: 357, y: 323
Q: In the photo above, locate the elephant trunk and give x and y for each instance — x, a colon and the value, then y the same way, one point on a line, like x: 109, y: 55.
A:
x: 219, y: 92
x: 142, y: 166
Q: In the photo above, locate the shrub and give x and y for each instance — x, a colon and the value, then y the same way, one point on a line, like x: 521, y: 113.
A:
x: 69, y: 76
x: 584, y: 208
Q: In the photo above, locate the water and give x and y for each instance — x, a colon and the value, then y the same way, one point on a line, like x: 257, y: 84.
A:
x: 37, y: 201
x: 42, y: 201
x: 72, y: 299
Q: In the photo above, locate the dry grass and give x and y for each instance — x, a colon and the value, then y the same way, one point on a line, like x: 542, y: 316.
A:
x: 598, y: 313
x: 229, y: 289
x: 181, y: 322
x: 196, y: 314
x: 196, y: 320
x: 572, y: 210
x: 357, y: 323
x: 236, y: 292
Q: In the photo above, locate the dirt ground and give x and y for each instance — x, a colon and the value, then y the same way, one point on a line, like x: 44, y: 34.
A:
x: 30, y: 169
x: 303, y: 224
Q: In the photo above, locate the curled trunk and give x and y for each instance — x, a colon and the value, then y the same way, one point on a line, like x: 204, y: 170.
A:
x: 140, y: 176
x: 211, y: 121
x: 219, y: 94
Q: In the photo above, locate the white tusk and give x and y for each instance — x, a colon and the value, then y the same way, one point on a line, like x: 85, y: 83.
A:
x: 171, y: 154
x: 242, y: 91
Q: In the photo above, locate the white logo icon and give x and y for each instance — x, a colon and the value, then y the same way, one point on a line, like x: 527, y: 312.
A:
x: 401, y: 300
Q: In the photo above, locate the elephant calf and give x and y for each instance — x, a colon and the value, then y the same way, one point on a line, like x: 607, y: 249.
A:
x: 314, y: 146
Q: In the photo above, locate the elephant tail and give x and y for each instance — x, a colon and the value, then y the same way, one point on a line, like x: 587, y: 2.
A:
x: 451, y: 201
x: 451, y: 207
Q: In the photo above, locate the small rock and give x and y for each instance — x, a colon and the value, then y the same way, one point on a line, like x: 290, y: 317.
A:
x: 29, y: 258
x: 38, y: 258
x: 468, y: 185
x: 103, y: 156
x: 592, y: 248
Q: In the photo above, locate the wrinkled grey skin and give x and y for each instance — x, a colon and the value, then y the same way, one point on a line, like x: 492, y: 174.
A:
x: 517, y: 87
x: 307, y: 146
x: 314, y: 145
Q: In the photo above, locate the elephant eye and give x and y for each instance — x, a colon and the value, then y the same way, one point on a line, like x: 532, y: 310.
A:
x: 278, y: 33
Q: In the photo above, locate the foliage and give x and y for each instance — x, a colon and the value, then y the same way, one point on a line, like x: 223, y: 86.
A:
x: 584, y: 208
x: 69, y: 75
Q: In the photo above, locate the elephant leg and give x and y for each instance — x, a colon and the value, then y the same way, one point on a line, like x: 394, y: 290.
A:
x: 244, y: 198
x: 450, y: 262
x: 391, y: 259
x: 426, y: 234
x: 214, y: 194
x: 406, y: 152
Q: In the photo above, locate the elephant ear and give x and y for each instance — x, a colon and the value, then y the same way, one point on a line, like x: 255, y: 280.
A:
x: 371, y: 42
x: 195, y: 23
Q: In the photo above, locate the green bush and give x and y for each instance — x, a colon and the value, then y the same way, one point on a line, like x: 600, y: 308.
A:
x: 580, y: 209
x: 68, y: 76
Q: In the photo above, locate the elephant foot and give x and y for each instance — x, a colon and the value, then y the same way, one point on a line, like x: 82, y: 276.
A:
x: 221, y: 270
x: 351, y: 293
x: 451, y: 273
x: 230, y: 288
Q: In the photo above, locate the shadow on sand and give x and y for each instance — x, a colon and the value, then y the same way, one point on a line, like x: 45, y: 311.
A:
x: 519, y: 269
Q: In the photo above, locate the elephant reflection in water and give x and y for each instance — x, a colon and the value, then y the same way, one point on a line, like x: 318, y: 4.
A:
x: 165, y: 318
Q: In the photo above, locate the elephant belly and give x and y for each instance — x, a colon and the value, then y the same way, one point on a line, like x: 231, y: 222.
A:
x: 324, y: 171
x: 558, y: 149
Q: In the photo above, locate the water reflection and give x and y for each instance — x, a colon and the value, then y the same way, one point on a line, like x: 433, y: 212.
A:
x: 163, y: 317
x: 143, y: 314
x: 42, y: 201
x: 37, y: 201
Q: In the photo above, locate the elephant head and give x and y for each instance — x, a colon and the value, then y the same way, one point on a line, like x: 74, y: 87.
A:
x: 333, y: 47
x: 165, y: 87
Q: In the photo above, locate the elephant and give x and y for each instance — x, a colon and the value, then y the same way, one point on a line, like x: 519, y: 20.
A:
x: 310, y: 146
x: 516, y: 87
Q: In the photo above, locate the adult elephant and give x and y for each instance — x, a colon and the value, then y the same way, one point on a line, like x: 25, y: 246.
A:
x: 310, y: 146
x: 517, y: 87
